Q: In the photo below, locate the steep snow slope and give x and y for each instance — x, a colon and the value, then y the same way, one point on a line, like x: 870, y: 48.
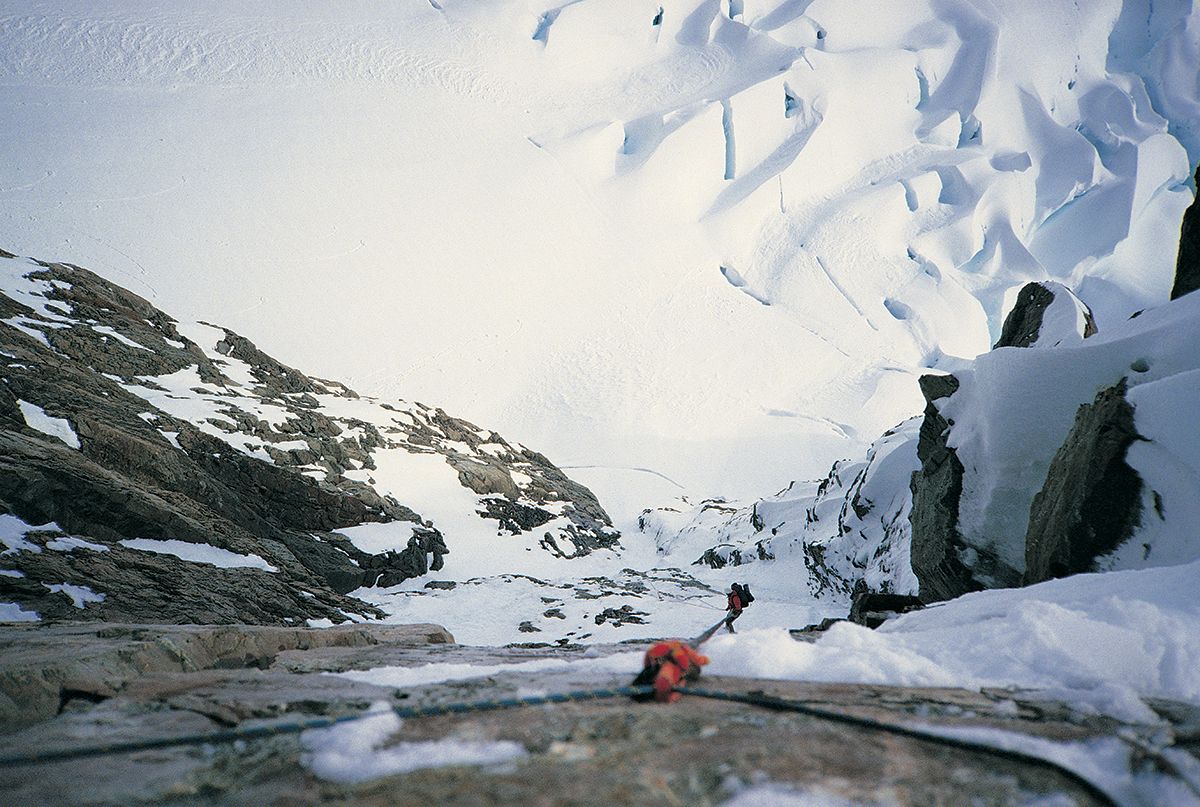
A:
x: 716, y: 242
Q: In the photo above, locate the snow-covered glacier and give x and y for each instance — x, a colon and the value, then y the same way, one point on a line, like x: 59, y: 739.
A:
x: 699, y: 247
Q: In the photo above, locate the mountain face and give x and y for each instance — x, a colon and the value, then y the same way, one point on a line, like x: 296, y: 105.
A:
x: 157, y: 470
x: 1064, y: 450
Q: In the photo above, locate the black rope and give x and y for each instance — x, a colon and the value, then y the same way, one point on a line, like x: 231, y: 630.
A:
x: 783, y: 705
x: 277, y: 729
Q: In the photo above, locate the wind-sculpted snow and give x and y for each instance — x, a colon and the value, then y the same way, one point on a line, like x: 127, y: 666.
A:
x: 528, y: 212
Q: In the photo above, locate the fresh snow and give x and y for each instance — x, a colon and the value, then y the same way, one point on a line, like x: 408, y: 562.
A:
x: 775, y: 795
x: 199, y: 553
x: 125, y: 340
x: 36, y: 418
x: 357, y: 751
x: 1015, y: 406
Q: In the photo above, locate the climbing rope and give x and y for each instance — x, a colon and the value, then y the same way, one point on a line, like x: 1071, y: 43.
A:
x: 753, y: 699
x: 294, y: 727
x: 782, y: 705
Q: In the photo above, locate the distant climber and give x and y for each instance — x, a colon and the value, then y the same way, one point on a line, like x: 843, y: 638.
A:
x: 666, y: 666
x: 738, y: 598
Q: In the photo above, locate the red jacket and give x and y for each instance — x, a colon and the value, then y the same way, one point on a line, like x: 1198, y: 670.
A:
x: 735, y: 602
x: 673, y: 662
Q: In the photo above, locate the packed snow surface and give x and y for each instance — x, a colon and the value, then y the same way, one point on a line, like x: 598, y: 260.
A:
x: 717, y: 246
x: 79, y: 595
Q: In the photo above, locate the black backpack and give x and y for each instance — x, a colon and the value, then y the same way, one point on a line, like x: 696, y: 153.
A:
x: 744, y: 593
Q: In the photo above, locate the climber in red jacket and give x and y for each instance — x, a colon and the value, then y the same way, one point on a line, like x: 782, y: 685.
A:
x: 667, y: 665
x: 735, y: 602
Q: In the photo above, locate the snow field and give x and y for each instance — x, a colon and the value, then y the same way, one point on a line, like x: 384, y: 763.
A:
x: 553, y: 186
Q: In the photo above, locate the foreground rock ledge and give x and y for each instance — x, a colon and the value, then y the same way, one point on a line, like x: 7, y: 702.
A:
x: 122, y: 682
x: 43, y: 668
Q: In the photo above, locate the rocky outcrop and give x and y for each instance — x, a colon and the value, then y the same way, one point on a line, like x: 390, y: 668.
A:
x: 118, y: 423
x: 871, y: 608
x: 1187, y: 264
x: 1026, y: 324
x: 850, y: 527
x: 43, y: 668
x: 937, y: 546
x: 1091, y: 502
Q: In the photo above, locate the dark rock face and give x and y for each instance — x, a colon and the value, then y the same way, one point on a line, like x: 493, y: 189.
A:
x: 1091, y: 502
x: 1187, y: 264
x: 722, y: 555
x: 1023, y: 325
x: 936, y: 489
x: 871, y: 608
x: 270, y: 467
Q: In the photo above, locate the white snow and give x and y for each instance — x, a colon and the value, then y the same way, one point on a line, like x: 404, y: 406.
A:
x: 1015, y: 407
x: 356, y: 751
x: 70, y: 543
x: 377, y: 538
x: 1100, y: 642
x: 36, y: 418
x: 13, y: 612
x: 12, y: 535
x: 777, y: 795
x: 1107, y: 762
x: 79, y: 595
x: 199, y: 553
x: 566, y: 196
x: 125, y: 340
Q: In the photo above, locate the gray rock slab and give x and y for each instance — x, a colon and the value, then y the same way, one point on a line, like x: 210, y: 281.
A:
x: 611, y: 752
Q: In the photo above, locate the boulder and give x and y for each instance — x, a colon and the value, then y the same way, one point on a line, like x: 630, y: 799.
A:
x: 936, y: 489
x: 1046, y: 314
x: 1091, y: 502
